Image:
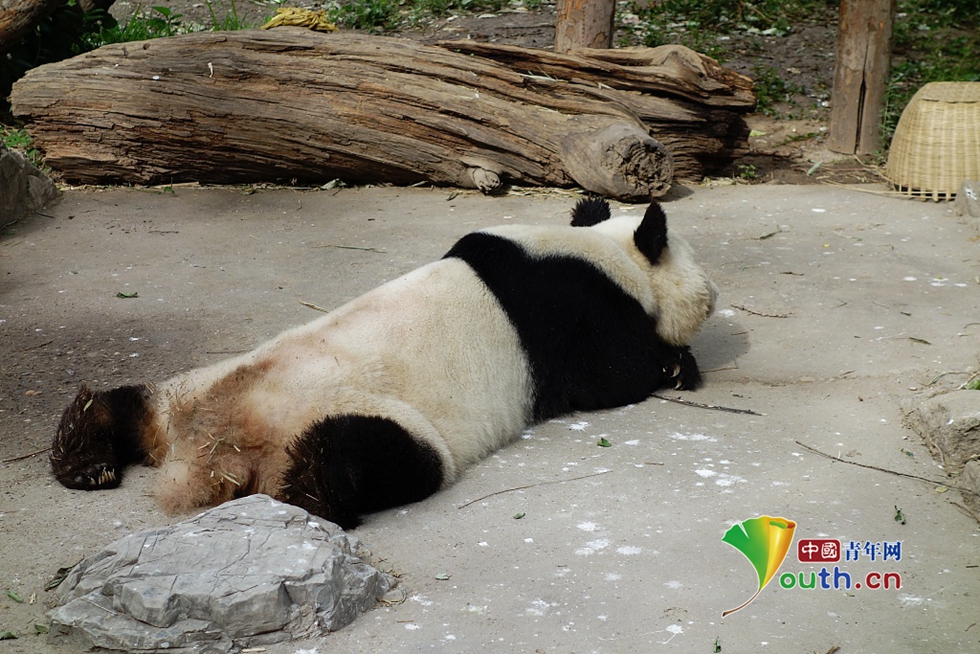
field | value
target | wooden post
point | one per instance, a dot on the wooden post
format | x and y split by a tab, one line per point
861	75
584	24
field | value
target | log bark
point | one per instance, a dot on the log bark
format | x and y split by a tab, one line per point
18	17
584	24
689	104
861	75
293	105
616	158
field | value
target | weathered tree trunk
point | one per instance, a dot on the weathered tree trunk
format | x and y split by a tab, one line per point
584	24
689	103
290	104
18	17
861	75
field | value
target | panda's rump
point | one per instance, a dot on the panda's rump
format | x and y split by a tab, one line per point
218	442
431	350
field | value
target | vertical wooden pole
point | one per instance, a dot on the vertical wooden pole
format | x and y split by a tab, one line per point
864	42
584	24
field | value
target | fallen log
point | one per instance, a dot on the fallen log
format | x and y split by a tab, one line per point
293	105
688	102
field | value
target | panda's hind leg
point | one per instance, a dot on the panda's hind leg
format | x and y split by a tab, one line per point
347	465
99	434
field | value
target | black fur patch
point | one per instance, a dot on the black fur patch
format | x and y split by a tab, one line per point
589	344
348	465
100	432
590	211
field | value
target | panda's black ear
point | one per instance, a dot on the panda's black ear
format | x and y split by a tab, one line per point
651	236
590	211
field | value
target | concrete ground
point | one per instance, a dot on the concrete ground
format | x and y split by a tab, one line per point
836	306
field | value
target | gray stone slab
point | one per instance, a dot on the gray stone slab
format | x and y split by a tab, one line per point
249	572
967	202
950	425
23	188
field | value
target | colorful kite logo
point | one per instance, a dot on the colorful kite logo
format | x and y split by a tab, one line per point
764	541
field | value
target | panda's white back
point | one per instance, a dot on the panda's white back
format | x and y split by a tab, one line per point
390	397
432	350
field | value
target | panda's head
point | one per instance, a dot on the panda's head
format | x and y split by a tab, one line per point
683	296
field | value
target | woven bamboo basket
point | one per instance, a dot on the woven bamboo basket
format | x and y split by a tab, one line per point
937	141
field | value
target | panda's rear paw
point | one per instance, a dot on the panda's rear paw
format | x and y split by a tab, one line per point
97	476
99	433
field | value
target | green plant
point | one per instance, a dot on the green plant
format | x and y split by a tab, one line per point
154	23
388	14
418	11
796	138
443	7
17	138
163	21
934	40
939	13
230	23
381	15
771	89
698	23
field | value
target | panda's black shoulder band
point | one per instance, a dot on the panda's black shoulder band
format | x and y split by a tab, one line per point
588	343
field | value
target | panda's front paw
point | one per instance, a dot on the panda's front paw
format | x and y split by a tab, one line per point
683	373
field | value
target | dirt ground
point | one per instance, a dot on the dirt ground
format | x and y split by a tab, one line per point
837	306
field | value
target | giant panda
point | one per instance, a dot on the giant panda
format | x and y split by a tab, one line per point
389	398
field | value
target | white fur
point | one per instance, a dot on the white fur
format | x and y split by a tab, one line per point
432	350
675	290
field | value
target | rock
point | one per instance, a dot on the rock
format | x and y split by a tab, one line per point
248	573
967	201
970	480
950	426
23	188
